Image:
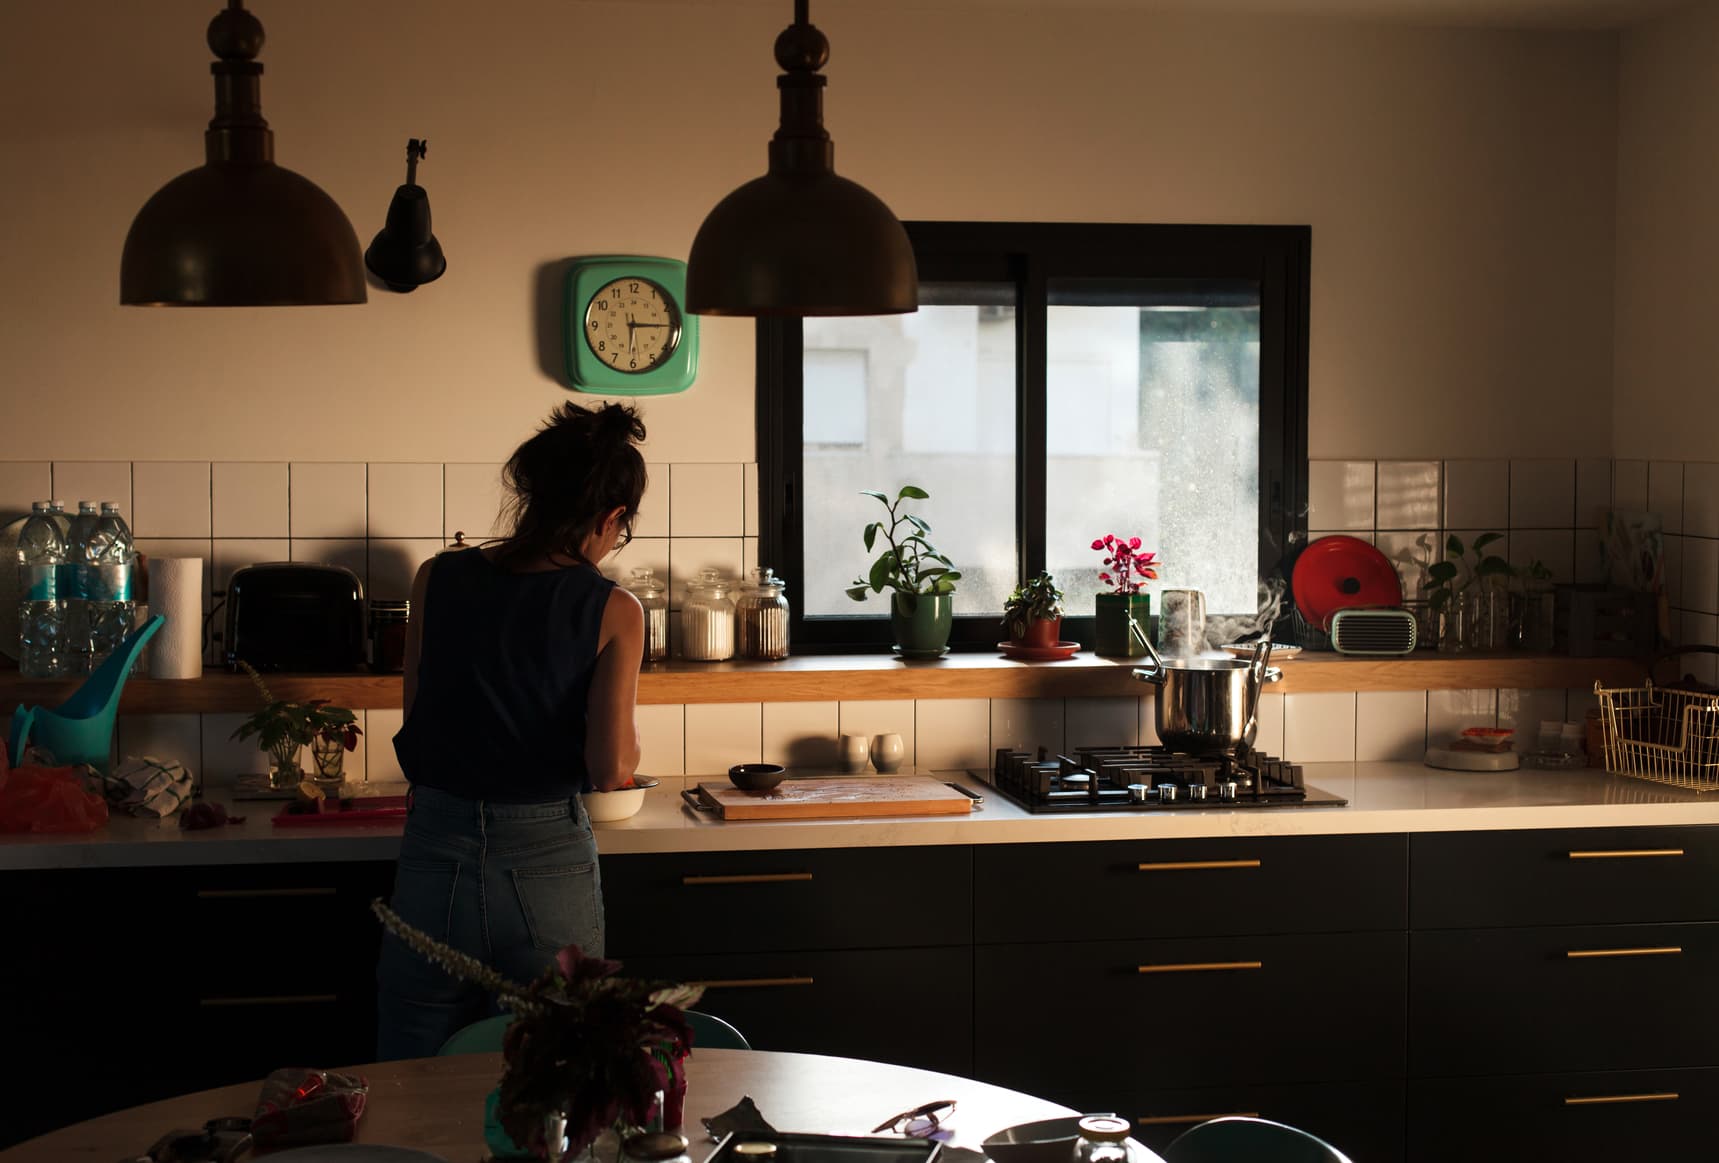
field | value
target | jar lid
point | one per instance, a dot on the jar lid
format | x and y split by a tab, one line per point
756	1150
1104	1128
657	1145
712	582
644	581
764	578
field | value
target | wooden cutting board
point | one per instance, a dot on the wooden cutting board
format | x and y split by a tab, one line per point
803	799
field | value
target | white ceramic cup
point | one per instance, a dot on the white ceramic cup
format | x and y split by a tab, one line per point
887	752
856	753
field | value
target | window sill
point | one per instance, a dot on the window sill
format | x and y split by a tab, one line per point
818	677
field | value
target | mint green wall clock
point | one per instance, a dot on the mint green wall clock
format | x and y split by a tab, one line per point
627	333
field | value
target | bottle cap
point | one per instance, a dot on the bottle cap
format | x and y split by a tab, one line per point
1104	1128
86	506
655	1146
110	507
39	506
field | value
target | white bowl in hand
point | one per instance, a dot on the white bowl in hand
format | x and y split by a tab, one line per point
605	807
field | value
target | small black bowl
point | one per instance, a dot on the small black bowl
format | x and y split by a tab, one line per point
756	776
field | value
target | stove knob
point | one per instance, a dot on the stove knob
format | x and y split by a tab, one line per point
1167	793
1138	793
1196	791
1227	790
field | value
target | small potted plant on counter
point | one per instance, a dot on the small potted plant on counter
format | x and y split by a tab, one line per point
922	605
1120	626
284	729
1033	615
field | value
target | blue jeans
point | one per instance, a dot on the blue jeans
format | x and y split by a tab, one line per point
507	883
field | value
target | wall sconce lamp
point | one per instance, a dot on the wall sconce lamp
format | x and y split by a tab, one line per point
404	254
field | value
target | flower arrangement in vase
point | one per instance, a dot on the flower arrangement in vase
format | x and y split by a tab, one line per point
1121	615
283	729
921	609
587	1049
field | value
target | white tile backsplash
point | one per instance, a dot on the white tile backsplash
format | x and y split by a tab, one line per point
224	758
1700	590
93	480
1408	494
652	519
1525	710
1389	725
1476	494
1450	712
250	500
394	563
802	735
328	500
1319	727
706	500
1673	565
650	553
381	765
689	555
1665	493
474	497
749	499
231	553
1629	485
1269	736
1701	500
1593	492
1027	724
1553	548
22	484
1698	630
1340	494
720	735
1411	551
350	552
405	500
952	734
662	739
1542	494
1109	722
170	499
178	738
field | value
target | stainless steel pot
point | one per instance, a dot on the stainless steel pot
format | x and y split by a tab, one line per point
1204	704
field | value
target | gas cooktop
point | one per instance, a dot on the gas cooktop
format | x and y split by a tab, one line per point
1132	779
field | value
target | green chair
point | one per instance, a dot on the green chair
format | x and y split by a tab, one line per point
1244	1140
484	1037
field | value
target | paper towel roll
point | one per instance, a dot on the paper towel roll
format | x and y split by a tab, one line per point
176	590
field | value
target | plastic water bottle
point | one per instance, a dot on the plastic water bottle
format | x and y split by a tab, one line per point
41	553
111	604
83	556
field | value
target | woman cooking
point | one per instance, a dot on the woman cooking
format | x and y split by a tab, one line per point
522	667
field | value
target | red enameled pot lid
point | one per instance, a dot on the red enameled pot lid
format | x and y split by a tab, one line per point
1341	573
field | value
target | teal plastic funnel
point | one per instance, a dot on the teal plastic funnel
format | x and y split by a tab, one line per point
80	730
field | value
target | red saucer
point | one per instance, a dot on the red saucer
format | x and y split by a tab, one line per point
1055	653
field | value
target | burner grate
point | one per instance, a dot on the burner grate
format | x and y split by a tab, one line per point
1143	778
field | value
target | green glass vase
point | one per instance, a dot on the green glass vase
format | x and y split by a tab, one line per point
1110	634
921	623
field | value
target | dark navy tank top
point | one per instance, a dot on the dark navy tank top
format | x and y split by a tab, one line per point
503	672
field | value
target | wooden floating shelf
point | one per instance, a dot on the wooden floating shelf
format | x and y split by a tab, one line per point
826	677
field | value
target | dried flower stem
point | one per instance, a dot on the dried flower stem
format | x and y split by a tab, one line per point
461	965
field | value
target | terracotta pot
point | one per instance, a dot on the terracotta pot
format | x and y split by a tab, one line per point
1041	633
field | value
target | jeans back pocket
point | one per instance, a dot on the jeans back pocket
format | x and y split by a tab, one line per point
561	906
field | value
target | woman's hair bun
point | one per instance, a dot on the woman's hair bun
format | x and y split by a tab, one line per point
617	423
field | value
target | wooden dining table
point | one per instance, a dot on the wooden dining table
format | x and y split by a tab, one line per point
436	1105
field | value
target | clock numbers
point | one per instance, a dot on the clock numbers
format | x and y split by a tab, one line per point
634	320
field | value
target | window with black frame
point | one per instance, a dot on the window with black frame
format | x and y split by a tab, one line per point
1059	382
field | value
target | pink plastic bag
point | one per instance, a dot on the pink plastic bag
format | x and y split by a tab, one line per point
48	799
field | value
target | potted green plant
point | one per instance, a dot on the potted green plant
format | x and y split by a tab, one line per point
1033	613
921	608
1121	615
283	729
1461	592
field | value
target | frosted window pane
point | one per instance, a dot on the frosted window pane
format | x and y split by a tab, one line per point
1152	430
939	412
835	397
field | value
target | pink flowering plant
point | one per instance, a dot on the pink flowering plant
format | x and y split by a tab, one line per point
1128	568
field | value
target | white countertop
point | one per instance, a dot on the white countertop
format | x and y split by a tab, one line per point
1383	797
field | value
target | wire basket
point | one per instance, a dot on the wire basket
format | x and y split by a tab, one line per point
1669	736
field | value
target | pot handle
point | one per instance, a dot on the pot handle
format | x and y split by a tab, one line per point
1272	674
1153	673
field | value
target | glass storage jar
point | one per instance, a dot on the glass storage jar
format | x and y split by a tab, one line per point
761	612
388	623
707	618
653	597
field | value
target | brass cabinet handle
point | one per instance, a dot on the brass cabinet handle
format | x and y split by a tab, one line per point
1623	853
1178	1120
1607	1099
749	878
1199	966
249	894
751	982
281	999
1643	951
1194	865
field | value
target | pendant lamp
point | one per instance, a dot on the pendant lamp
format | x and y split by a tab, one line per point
800	240
239	230
405	254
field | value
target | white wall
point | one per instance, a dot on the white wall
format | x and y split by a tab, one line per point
1666	406
1460	186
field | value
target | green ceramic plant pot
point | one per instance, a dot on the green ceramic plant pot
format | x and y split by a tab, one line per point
921	623
1110	636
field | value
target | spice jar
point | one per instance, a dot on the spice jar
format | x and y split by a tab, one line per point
761	615
707	618
645	587
388	621
1103	1139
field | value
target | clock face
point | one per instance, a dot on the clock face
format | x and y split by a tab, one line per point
632	325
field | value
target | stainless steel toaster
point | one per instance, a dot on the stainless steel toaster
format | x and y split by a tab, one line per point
295	616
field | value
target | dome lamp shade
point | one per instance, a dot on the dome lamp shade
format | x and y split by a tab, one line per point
405	255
